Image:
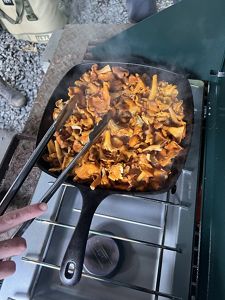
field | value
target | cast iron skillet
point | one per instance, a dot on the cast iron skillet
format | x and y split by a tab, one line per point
72	264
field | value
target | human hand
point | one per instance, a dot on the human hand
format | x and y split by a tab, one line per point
16	245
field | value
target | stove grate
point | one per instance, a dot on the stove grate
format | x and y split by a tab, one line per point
161	246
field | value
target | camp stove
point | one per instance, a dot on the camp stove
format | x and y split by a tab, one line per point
154	239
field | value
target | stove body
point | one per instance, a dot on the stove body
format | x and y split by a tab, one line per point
155	234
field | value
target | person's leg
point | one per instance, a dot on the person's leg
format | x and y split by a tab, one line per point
140	9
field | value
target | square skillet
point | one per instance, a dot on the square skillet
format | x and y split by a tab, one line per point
72	264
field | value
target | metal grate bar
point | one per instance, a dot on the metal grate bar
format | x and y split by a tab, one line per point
183	206
159	271
155	245
112	282
122	220
166	203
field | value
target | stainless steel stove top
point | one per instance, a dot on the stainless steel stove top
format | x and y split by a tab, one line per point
155	234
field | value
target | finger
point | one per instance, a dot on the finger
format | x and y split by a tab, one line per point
18	216
7	268
12	247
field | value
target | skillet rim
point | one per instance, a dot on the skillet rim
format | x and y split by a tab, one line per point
172	179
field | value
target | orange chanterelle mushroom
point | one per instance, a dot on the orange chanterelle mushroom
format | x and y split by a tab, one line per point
138	147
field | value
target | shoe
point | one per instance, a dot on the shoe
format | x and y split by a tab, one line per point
138	10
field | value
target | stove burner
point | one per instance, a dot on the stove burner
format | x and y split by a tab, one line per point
102	256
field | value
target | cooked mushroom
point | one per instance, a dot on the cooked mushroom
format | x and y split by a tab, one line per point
116	172
141	141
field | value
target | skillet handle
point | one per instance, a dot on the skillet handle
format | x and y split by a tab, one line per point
72	264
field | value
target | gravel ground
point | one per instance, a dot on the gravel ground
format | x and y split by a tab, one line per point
98	11
20	61
103	11
20	67
162	4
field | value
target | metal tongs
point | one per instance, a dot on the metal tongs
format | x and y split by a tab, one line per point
57	125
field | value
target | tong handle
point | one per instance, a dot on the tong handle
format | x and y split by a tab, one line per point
98	129
25	170
57	124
